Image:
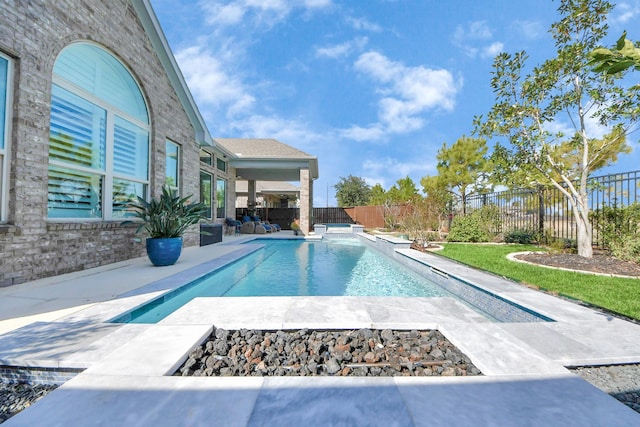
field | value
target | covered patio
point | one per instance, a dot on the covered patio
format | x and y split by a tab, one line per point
270	160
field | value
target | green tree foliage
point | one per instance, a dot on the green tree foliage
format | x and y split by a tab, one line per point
616	60
529	105
352	191
403	191
619	228
461	169
378	195
439	198
479	226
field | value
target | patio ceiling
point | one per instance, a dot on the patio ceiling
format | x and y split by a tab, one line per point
267	159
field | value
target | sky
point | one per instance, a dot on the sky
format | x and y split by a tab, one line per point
373	88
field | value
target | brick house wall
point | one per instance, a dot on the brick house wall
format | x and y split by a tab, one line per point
33	33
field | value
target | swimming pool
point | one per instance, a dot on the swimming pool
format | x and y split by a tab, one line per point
337	266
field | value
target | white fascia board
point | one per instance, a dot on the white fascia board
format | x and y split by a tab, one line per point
154	31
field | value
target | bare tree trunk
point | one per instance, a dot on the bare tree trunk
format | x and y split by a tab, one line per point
584	232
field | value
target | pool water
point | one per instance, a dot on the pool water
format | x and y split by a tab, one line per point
333	267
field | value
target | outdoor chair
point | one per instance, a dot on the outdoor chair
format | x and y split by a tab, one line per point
232	226
267	227
248	227
275	227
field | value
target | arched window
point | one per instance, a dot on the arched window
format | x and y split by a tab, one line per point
99	138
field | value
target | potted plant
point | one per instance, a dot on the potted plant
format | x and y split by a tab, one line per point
165	220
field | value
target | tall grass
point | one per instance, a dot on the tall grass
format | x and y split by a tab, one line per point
614	294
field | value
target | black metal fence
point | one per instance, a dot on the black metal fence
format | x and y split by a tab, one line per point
547	211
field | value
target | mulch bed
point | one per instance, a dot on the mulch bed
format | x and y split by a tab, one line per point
599	263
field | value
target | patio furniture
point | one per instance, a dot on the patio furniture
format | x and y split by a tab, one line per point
210	233
267	227
232	226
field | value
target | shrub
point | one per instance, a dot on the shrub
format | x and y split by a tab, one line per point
468	228
524	237
479	226
619	228
563	245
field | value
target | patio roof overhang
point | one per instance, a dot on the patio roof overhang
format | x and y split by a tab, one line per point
258	159
274	169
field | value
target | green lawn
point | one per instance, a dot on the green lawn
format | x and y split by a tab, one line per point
614	294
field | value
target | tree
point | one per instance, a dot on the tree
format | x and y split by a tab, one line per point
461	168
403	191
612	61
529	106
418	220
439	199
378	195
352	191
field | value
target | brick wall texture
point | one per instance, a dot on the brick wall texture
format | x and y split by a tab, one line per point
33	33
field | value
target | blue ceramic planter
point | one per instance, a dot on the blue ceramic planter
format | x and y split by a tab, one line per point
164	251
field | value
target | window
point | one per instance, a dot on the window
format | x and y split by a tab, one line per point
221	164
205	191
172	177
99	136
205	157
221	190
5	127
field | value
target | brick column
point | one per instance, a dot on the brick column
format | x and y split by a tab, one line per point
306	201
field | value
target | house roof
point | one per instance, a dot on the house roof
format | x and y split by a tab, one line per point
267	159
261	148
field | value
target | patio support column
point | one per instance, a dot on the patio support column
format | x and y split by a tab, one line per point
231	198
251	194
306	200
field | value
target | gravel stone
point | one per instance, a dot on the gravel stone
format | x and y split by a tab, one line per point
363	352
619	381
19	396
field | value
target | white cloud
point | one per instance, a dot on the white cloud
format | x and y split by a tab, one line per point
386	171
363	24
389	166
408	92
529	29
371	181
477	30
259	13
373	133
225	14
317	4
343	49
492	50
473	39
211	83
289	131
624	12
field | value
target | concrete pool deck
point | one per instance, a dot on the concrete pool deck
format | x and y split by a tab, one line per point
61	322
